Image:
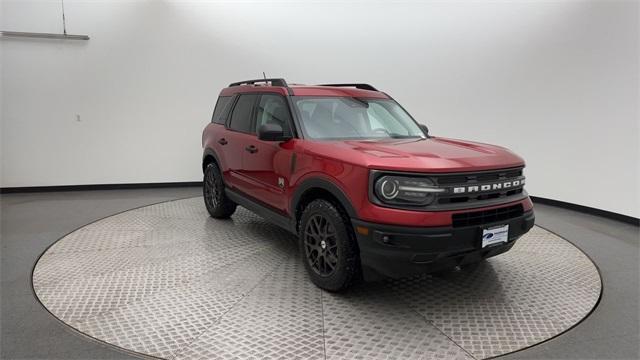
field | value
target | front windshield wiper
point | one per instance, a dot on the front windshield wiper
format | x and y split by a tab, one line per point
400	136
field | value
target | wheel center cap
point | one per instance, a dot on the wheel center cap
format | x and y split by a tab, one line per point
323	244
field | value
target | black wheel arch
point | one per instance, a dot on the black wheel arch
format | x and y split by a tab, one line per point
315	188
209	156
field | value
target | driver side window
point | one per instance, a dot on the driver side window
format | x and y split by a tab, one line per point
273	109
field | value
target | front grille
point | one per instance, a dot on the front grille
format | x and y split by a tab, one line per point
479	197
450	198
487	216
479	177
458	190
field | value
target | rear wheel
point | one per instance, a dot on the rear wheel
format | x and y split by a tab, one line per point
215	199
328	247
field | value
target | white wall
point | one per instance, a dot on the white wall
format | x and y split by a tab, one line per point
556	82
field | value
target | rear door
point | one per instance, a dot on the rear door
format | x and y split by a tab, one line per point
213	136
266	165
238	134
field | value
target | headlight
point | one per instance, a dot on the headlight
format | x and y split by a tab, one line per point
388	188
402	190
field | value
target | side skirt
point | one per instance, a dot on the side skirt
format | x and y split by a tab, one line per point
263	211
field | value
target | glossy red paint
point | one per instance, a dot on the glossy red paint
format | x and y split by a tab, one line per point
253	89
433	155
299	90
346	164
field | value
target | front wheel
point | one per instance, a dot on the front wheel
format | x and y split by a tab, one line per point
215	199
328	246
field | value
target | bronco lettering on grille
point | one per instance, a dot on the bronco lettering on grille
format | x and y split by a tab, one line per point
488	187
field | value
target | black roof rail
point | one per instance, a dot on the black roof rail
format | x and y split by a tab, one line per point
273	81
356	85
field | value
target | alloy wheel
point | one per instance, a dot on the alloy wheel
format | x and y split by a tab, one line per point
321	245
210	189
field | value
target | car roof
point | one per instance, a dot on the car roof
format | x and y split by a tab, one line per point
305	90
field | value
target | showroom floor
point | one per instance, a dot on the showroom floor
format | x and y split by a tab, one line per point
32	222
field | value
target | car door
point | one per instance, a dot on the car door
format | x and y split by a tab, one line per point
239	129
266	164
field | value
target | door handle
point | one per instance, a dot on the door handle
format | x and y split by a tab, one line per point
223	141
252	149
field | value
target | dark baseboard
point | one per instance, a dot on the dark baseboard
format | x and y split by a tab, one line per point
28	189
589	210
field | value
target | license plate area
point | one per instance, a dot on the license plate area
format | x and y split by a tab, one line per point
495	235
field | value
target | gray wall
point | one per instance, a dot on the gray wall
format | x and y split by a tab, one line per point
556	82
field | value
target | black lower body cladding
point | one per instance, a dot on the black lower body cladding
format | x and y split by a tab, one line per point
397	251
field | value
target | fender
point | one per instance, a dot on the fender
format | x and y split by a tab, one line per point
324	184
210	152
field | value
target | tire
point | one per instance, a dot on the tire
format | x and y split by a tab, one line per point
328	246
215	199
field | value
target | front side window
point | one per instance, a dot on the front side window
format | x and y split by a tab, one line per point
352	118
273	109
241	117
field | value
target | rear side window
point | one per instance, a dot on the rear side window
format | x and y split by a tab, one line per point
220	110
241	117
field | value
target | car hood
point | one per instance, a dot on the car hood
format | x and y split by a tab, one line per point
434	154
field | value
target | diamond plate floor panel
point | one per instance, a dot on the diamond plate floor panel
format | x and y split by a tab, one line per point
371	323
281	318
168	281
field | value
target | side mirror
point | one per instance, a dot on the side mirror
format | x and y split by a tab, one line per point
272	132
424	129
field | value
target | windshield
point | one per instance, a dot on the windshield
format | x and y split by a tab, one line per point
353	118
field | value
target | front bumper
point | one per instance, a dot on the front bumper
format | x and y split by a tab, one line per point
396	251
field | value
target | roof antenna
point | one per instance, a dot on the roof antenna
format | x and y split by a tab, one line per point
64	21
265	77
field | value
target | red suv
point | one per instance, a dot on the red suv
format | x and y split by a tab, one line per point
366	189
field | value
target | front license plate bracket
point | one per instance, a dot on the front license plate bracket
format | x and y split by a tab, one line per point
495	235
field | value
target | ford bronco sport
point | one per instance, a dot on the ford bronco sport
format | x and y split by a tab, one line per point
367	190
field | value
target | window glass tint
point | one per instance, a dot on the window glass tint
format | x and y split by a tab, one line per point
350	118
273	109
219	111
241	117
